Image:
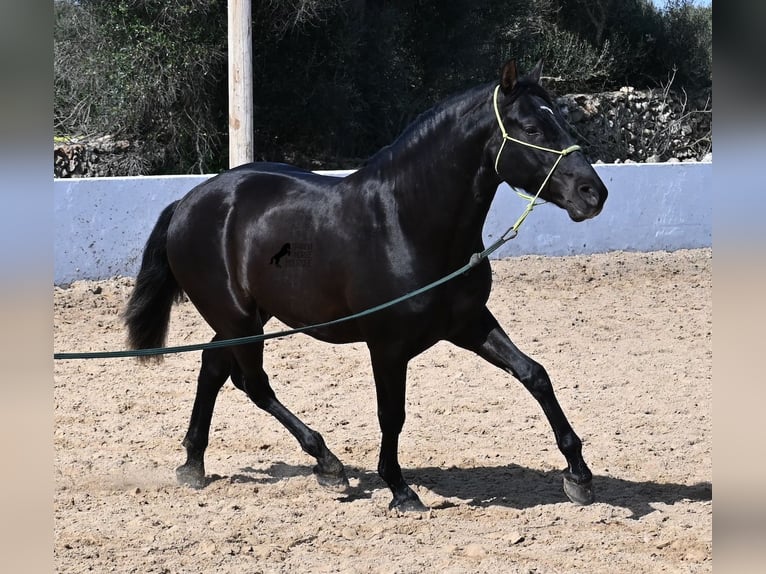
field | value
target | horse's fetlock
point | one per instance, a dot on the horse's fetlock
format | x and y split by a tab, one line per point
390	473
570	443
315	442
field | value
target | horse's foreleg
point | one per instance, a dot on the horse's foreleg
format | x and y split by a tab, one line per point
215	369
487	339
390	382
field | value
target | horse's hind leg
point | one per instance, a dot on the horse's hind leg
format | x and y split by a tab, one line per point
390	384
486	338
215	369
255	382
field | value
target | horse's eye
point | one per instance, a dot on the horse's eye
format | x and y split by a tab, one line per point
531	130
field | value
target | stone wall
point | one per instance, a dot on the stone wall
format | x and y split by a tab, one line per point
641	125
98	157
613	127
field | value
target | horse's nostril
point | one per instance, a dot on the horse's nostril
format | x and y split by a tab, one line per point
589	194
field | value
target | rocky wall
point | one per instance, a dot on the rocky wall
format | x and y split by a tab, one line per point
99	157
641	125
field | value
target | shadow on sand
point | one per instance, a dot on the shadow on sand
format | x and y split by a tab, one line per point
511	486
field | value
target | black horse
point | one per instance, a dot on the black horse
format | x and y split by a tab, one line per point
412	214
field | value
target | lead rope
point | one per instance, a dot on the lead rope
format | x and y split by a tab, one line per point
475	259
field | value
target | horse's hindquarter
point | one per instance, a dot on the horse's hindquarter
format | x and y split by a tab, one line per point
244	240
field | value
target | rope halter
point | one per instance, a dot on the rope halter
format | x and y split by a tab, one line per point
529	198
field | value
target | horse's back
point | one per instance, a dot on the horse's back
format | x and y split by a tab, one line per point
249	190
265	178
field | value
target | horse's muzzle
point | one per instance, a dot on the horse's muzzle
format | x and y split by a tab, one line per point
588	201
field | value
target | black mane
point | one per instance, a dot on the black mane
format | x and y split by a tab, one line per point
431	120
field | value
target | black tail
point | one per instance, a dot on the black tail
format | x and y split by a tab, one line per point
147	313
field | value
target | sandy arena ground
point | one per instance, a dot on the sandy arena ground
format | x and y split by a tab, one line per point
626	338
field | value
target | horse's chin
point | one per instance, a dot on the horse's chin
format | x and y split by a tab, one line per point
577	215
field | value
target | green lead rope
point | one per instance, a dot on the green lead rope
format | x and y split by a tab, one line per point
475	260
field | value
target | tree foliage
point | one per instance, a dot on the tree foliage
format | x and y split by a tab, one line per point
149	70
337	79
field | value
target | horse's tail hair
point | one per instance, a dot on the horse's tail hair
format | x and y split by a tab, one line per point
147	312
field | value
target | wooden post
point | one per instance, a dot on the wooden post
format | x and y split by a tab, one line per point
240	55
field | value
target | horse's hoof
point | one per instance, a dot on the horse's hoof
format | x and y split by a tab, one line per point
579	493
191	476
408	504
334	482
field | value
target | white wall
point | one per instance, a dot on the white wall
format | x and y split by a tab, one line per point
101	224
650	207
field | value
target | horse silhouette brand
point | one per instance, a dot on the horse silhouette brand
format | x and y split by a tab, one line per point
285	250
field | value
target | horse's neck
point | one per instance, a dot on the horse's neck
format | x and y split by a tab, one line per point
440	173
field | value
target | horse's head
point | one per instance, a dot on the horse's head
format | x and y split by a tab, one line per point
536	153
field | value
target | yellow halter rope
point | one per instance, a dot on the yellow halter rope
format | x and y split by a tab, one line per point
531	199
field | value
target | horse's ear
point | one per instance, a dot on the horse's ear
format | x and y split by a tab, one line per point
537	71
508	76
